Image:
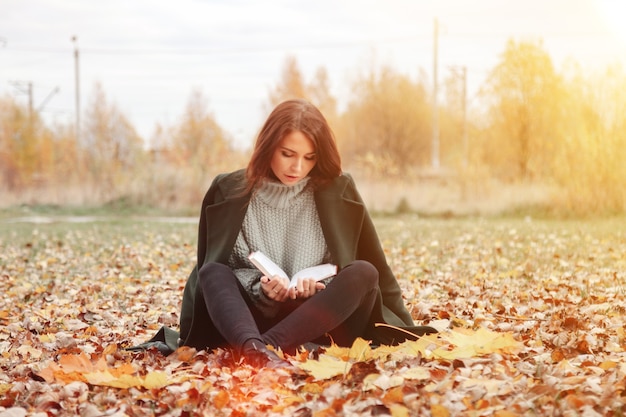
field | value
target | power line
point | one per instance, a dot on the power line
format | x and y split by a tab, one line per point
205	51
310	46
74	39
47	99
25	87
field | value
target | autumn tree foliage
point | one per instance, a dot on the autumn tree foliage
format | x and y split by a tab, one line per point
14	143
292	84
187	155
523	94
589	166
550	127
112	148
387	124
530	123
197	140
33	155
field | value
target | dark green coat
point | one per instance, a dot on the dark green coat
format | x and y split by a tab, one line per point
347	227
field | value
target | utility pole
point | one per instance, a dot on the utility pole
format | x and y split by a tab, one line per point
435	142
77	83
26	87
464	109
460	75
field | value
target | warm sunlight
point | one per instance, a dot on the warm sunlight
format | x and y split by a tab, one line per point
614	14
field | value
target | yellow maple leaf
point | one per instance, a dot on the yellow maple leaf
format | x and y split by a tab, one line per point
468	343
155	379
325	367
152	380
103	378
424	346
359	351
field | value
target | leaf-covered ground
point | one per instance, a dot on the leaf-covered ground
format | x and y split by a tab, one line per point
531	312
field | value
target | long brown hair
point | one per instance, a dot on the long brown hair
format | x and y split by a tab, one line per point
287	117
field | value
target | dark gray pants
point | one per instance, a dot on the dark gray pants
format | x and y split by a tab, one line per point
339	313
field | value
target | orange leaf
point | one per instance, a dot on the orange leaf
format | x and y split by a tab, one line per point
110	349
221	399
124	369
481	404
327	412
504	413
606	365
394	395
574	401
184	354
76	363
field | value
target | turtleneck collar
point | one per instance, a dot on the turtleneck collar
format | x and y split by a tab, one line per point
279	195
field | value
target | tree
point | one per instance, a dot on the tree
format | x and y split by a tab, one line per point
23	161
387	122
522	93
35	157
11	125
198	141
320	95
112	146
453	120
589	166
292	84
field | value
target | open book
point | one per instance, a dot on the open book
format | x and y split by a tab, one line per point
269	269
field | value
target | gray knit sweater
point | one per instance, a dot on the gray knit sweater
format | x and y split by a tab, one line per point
282	222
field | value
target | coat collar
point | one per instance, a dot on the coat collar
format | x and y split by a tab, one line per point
339	209
232	186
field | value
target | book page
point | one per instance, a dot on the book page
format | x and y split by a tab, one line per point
269	269
318	273
266	265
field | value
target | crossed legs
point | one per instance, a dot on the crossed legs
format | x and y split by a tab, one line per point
341	310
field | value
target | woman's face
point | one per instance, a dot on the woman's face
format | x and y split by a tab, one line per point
294	158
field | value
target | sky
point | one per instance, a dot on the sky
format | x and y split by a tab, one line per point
150	55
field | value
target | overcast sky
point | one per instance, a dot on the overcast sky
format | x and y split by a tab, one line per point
149	55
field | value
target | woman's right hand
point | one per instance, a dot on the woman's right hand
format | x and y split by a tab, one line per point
275	288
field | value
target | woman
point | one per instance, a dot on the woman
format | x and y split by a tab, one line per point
295	205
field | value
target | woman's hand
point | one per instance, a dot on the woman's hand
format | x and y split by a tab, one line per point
275	288
307	287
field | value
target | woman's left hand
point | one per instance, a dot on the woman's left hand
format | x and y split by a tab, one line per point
306	287
275	288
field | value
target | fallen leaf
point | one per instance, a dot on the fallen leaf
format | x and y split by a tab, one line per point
325	367
468	343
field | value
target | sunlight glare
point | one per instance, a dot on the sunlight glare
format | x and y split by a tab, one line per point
614	14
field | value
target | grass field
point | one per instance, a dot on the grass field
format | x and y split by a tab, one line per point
86	289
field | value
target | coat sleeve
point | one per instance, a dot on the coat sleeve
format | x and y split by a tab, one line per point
188	303
209	198
369	248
